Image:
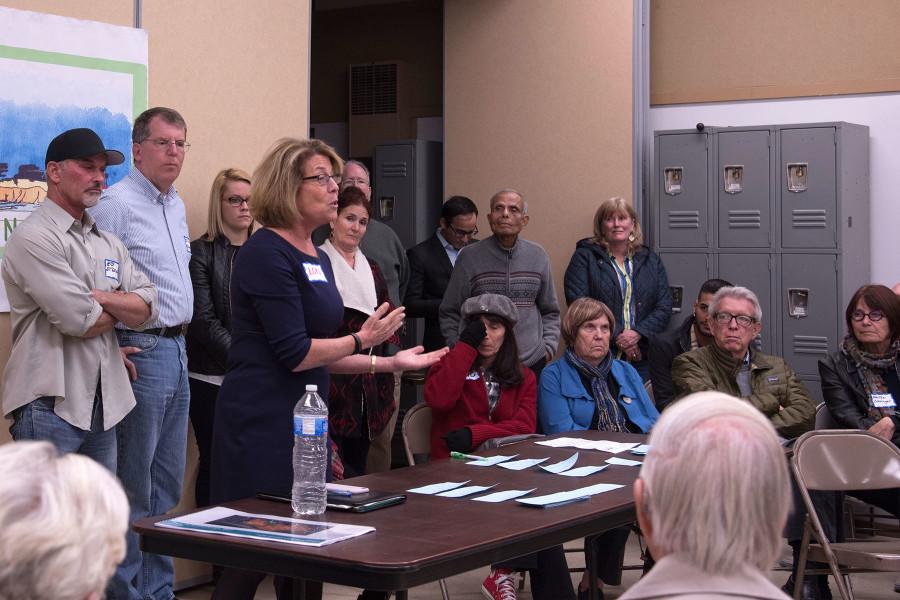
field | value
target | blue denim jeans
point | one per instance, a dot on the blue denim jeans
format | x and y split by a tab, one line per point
37	421
151	441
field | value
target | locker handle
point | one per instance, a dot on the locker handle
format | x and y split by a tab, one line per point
797	177
733	179
674	177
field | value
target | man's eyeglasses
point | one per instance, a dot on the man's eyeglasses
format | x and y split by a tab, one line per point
322	178
463	233
180	145
724	318
355	182
874	316
237	200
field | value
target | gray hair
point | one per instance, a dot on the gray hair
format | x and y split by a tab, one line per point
361	166
510	191
62	523
716	485
738	293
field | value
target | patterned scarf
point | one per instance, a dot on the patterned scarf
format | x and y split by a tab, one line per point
871	369
611	419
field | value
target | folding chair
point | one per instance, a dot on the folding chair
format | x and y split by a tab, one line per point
843	460
416	432
648	385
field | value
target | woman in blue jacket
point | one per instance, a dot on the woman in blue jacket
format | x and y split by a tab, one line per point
588	389
615	268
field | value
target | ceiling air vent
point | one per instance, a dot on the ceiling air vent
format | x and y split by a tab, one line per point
373	89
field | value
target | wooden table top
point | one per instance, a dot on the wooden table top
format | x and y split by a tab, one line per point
427	537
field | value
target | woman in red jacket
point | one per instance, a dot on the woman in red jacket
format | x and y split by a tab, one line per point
478	391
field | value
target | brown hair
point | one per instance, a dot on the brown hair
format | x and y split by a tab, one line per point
141	129
277	179
353	196
878	297
580	312
617	206
507	367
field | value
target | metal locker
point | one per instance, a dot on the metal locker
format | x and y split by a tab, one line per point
807	190
809	310
407	188
743	189
755	272
682	174
686	272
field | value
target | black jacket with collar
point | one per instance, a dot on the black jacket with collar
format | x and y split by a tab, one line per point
664	347
429	274
844	395
209	335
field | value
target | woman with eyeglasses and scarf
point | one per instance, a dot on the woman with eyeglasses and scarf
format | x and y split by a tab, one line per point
861	381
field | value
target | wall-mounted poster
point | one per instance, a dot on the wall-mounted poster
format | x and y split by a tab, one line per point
57	74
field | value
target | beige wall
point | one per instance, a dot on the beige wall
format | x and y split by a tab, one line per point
238	72
539	99
717	50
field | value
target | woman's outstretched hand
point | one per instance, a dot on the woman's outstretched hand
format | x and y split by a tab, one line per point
413	359
381	325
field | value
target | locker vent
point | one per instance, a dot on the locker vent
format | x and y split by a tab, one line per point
373	89
811	344
744	219
394	169
809	218
684	219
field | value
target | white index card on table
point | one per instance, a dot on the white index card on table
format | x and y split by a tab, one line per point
436	488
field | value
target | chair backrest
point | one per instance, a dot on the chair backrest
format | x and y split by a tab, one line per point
648	385
824	420
846	459
416	432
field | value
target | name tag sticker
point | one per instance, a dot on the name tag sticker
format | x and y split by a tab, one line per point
473	376
314	272
772	379
884	400
111	269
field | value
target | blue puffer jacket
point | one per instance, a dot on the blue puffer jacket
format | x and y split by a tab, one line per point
591	273
565	405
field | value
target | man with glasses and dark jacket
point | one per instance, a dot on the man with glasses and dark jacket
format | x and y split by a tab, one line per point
431	264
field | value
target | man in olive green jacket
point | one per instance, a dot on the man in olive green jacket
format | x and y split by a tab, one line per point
732	366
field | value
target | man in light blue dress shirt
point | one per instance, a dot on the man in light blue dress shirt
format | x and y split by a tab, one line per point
146	213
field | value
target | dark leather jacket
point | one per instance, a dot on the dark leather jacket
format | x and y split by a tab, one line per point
664	347
844	395
209	335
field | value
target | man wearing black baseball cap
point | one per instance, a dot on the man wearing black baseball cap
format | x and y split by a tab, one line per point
68	284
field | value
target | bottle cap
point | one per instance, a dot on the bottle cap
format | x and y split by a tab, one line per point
312	388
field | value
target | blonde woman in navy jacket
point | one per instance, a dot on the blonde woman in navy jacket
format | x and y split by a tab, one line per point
588	389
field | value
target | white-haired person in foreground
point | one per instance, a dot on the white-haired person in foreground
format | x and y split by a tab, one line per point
712	498
62	524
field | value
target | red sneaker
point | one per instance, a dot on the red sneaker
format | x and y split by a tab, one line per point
499	585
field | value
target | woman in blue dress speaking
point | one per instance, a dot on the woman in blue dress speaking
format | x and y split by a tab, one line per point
285	308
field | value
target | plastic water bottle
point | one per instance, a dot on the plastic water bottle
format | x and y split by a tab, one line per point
310	453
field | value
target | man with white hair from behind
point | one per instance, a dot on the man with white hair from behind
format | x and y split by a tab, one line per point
62	524
712	498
